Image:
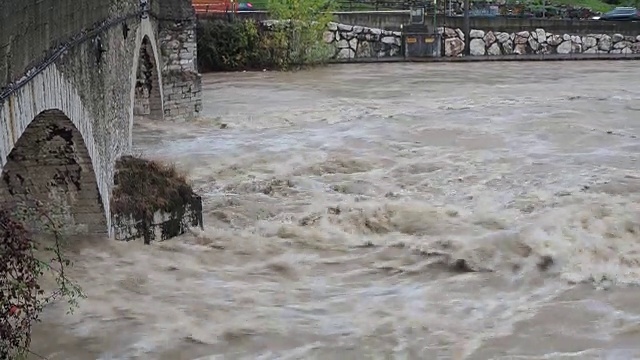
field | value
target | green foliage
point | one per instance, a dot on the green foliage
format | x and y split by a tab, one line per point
23	262
555	5
298	30
231	45
595	5
259	5
292	39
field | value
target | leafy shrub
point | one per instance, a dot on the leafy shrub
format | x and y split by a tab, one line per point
232	45
292	39
21	297
299	27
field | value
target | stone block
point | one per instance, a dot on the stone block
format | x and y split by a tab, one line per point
162	226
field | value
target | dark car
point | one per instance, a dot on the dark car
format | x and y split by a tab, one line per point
245	6
622	14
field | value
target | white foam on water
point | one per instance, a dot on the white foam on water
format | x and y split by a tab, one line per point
354	217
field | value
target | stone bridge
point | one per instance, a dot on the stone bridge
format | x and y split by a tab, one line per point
73	74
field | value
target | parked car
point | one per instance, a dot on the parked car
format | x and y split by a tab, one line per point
245	6
620	14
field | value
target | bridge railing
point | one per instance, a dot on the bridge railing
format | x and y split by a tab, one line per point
479	8
378	5
222	6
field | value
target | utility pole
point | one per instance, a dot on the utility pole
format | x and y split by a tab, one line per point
466	29
435	12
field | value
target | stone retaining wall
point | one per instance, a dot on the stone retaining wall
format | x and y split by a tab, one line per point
362	42
537	41
359	42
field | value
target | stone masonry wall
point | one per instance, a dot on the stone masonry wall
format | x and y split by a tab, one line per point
29	28
91	84
152	201
181	80
357	42
536	41
51	164
163	226
353	42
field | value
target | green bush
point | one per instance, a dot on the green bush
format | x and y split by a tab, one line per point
293	40
299	30
232	45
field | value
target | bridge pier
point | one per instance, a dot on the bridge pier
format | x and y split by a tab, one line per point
181	80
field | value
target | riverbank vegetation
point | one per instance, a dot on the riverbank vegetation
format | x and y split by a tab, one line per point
26	259
293	39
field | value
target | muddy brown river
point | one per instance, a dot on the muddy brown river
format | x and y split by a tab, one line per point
387	211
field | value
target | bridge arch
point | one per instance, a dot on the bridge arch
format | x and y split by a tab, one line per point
147	95
80	88
47	141
50	163
148	91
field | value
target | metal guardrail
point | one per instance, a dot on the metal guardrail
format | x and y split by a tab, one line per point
221	6
481	8
383	4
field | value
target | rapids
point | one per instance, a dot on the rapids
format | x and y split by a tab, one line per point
388	211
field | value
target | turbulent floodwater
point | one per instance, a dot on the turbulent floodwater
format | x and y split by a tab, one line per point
397	211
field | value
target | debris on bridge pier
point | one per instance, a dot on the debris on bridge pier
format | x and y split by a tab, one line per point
152	201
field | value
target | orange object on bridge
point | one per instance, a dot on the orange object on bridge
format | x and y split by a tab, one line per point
214	6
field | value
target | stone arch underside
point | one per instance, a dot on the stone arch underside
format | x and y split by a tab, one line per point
148	87
47	91
50	163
